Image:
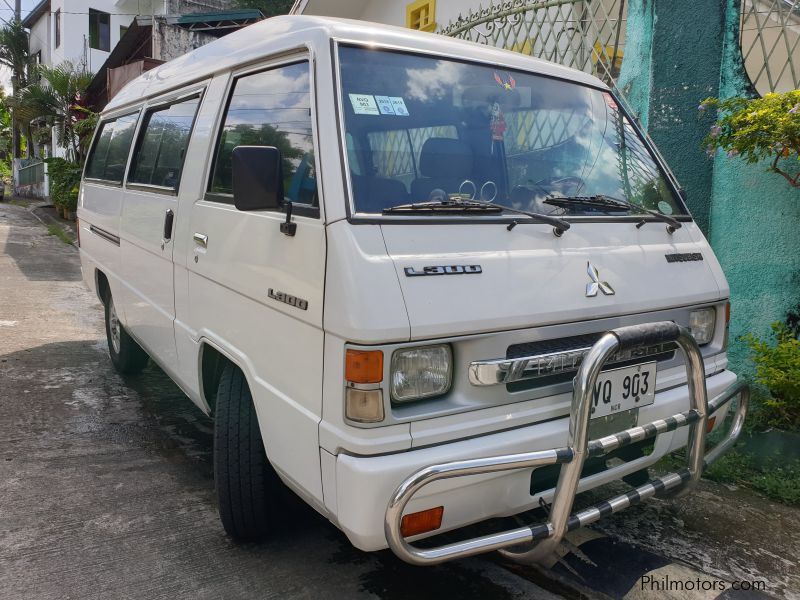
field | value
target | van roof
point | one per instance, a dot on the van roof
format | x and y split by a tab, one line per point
279	33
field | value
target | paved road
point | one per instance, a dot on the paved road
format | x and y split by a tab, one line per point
106	485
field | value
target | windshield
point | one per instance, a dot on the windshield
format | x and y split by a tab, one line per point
420	128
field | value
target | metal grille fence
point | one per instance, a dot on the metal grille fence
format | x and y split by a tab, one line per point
769	35
583	34
31	174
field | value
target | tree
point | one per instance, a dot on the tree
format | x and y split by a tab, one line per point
57	99
758	129
14	55
269	8
6	138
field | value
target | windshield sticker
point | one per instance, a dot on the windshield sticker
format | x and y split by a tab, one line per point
665	207
385	105
364	104
399	106
507	84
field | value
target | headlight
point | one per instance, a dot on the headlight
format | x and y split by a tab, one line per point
422	372
701	324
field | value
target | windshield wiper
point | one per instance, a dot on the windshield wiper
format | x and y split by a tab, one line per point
446	206
451	206
611	203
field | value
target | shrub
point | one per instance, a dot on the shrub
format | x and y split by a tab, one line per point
778	369
759	128
65	181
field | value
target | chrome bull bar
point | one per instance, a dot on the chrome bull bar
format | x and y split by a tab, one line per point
547	536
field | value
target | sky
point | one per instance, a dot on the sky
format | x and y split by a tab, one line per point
6	13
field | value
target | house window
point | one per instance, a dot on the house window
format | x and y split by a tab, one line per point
421	15
57	18
99	30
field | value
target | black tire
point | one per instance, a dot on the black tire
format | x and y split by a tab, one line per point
127	356
248	489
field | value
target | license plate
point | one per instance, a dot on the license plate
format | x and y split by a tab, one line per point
622	389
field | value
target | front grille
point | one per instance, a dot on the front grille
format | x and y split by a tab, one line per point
567	344
557	345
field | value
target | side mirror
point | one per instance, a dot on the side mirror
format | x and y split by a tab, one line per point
257	178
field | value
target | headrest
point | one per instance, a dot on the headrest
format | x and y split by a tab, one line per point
445	157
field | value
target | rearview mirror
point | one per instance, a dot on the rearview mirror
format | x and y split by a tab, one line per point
257	178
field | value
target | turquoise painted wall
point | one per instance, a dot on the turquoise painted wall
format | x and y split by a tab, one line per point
635	77
677	53
687	43
755	222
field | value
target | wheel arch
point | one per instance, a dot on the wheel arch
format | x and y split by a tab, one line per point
101	285
213	359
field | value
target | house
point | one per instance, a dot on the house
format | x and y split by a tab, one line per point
88	33
152	40
80	31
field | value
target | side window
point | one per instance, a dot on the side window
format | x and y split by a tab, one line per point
158	159
109	154
271	108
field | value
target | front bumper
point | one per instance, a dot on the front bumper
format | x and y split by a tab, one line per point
364	485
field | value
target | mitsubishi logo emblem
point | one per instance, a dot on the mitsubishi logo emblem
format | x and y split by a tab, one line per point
591	288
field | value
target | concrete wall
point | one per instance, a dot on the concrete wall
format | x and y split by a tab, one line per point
678	53
687	51
170	41
755	221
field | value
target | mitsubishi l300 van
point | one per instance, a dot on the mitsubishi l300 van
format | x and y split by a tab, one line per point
421	282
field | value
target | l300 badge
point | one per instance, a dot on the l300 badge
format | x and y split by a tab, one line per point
288	299
444	270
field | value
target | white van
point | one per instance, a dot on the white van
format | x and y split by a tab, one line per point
422	282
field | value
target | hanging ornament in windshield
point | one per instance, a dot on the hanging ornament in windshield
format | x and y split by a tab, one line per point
497	124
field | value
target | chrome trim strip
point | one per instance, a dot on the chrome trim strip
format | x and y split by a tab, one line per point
507	370
106	235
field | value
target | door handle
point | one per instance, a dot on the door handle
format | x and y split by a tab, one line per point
169	219
201	239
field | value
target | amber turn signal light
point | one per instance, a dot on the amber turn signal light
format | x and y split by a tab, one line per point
364	366
710	424
422	522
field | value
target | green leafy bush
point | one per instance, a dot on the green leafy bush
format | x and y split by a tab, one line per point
759	128
778	369
777	479
65	181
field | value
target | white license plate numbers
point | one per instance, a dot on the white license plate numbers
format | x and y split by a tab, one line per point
622	389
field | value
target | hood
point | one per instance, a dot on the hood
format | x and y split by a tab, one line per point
495	279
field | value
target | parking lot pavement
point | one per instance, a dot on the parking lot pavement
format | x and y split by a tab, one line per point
106	487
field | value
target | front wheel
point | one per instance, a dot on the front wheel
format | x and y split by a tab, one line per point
248	489
127	356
